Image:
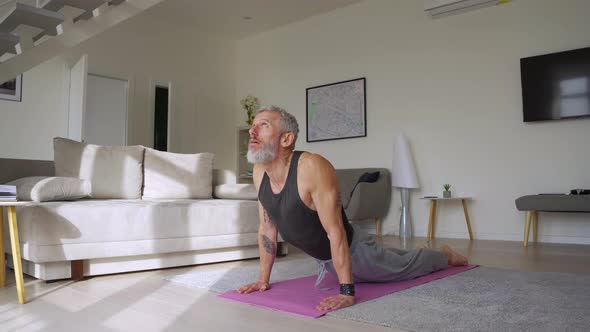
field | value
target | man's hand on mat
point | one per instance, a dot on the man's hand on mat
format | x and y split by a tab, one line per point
255	286
336	302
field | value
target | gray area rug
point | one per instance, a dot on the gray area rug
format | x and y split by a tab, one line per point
482	299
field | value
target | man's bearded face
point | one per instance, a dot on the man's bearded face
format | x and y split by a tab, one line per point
262	152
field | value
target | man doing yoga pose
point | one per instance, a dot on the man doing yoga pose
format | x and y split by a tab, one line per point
298	197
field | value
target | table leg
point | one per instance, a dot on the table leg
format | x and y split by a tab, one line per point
16	260
467	218
430	220
535	224
433	225
434	220
378	226
2	255
527	226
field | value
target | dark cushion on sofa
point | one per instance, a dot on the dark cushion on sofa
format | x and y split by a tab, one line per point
366	177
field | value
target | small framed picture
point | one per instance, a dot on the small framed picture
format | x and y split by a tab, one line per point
336	110
12	89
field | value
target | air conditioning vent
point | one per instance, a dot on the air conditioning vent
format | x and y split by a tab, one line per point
439	8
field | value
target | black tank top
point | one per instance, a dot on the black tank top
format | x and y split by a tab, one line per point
298	224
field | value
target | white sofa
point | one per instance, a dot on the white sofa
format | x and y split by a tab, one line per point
85	237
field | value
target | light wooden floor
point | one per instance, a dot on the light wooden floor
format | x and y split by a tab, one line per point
143	301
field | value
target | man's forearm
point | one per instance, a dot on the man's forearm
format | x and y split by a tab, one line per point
341	258
267	247
267	244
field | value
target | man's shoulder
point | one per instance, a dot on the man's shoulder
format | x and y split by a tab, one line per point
313	163
315	172
311	159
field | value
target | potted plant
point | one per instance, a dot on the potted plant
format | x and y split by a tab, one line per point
250	104
447	192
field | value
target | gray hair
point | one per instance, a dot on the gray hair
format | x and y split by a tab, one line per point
288	121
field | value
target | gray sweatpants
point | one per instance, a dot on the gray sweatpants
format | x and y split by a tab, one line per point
373	263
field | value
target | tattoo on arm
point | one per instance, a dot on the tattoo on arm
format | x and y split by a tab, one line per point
269	246
267	218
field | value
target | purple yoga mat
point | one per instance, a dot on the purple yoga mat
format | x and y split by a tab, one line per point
300	297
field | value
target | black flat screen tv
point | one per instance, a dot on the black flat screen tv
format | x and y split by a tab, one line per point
556	86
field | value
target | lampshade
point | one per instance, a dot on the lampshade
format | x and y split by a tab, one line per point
403	170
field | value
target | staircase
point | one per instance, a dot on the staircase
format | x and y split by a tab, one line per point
33	31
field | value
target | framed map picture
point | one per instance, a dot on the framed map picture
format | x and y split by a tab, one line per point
337	110
11	90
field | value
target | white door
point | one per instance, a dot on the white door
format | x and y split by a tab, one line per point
77	102
105	122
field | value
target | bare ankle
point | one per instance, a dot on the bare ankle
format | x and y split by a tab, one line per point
454	258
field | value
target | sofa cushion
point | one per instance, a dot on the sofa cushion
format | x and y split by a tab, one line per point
236	191
92	221
175	175
45	188
113	171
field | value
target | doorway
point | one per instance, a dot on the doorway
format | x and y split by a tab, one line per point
105	120
161	118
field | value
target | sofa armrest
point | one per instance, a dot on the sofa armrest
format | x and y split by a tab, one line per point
370	200
12	169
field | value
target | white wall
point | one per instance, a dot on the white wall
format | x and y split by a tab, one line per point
143	50
27	127
452	85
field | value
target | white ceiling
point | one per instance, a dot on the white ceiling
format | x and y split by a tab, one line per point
227	16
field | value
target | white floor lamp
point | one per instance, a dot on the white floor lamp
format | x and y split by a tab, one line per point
404	177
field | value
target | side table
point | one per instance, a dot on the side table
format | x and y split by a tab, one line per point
432	221
16	258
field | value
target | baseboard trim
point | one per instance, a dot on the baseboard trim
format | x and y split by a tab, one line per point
101	266
510	237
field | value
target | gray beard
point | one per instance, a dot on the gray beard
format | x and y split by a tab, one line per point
264	155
